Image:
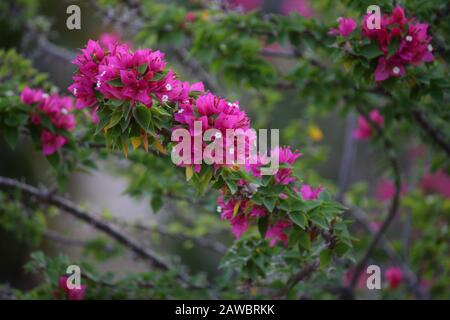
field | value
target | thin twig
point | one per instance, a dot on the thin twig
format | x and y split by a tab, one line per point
301	275
393	208
69	207
432	132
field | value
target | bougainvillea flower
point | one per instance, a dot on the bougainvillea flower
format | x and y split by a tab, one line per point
364	129
394	276
30	96
51	142
277	232
71	294
233	210
309	193
438	182
345	28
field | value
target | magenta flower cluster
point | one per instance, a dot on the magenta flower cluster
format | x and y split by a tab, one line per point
111	70
414	42
117	72
240	219
57	109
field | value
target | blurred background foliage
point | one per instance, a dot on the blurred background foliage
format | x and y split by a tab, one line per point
277	59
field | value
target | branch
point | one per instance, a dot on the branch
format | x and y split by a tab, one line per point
410	277
432	132
393	208
53	199
298	277
217	247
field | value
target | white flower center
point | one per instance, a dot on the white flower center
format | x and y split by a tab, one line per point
396	70
168	87
218	135
75	90
181	111
409	38
219	209
165	98
430	47
64	111
99	84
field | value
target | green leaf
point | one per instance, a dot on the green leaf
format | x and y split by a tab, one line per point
318	219
371	51
394	45
45	121
54	159
142	116
159	76
156	203
115	83
231	185
304	241
189	173
142	68
269	203
11	136
325	258
115	119
101	124
263	224
299	218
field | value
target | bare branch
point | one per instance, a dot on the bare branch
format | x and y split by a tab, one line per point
301	275
69	207
393	208
432	132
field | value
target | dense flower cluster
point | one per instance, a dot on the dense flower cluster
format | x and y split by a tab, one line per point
240	211
117	72
214	113
409	39
56	109
109	70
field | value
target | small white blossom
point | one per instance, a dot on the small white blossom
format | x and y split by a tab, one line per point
219	209
396	70
430	47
